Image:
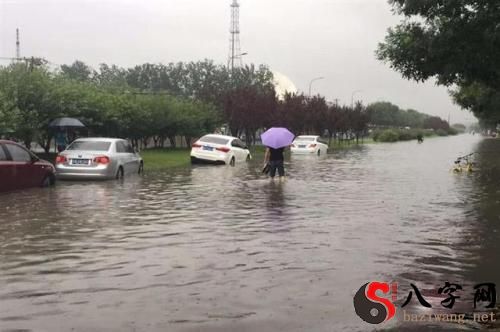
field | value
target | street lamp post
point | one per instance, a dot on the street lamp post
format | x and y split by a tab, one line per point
310	83
352	97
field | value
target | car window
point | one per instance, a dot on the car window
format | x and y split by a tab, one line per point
237	143
17	153
214	139
120	147
129	148
243	145
305	139
89	146
3	156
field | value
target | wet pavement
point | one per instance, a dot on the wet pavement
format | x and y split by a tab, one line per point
225	249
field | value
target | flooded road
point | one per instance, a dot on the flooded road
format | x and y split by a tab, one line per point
225	249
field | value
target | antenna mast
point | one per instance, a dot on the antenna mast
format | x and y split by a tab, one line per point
18	45
234	46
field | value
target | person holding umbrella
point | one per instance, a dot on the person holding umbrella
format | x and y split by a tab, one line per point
275	159
275	139
62	127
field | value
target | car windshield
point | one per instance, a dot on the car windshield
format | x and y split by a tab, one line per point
89	146
305	139
214	139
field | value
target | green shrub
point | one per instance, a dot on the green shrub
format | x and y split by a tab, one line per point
375	134
389	135
441	132
407	135
428	132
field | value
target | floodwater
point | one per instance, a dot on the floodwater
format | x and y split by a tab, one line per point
225	249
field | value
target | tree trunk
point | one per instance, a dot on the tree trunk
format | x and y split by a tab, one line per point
247	137
172	141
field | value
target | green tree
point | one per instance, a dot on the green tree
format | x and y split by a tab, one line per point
78	71
457	42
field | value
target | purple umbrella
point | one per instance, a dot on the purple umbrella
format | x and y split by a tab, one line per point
277	137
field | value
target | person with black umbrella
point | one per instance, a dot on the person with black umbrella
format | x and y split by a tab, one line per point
62	125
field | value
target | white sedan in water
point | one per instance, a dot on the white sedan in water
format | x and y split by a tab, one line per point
309	145
219	149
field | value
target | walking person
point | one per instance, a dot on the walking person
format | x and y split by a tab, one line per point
275	159
276	139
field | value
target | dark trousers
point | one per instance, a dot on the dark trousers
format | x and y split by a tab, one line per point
276	165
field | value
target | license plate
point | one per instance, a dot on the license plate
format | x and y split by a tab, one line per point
208	148
302	146
80	161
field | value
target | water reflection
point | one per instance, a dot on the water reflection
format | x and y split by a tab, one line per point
225	248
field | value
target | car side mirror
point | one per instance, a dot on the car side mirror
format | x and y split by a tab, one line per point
34	159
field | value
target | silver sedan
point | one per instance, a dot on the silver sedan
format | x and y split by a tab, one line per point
98	158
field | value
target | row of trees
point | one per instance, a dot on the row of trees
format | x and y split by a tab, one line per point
385	114
150	104
154	103
31	97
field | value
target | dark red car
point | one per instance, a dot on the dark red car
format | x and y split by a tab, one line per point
20	168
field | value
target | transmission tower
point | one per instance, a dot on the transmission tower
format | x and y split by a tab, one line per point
234	43
18	45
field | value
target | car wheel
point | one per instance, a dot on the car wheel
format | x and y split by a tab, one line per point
119	173
249	157
232	162
319	152
141	168
48	181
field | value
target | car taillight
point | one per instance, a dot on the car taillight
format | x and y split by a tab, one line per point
61	159
102	160
312	145
223	149
196	145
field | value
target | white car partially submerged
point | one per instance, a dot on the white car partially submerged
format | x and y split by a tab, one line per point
306	144
219	149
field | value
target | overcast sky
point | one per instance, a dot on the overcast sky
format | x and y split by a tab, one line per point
302	39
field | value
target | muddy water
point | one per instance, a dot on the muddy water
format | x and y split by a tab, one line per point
224	249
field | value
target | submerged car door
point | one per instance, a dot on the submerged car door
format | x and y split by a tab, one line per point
7	179
133	157
238	149
26	173
122	156
243	148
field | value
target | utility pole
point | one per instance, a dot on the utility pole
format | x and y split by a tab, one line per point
235	56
